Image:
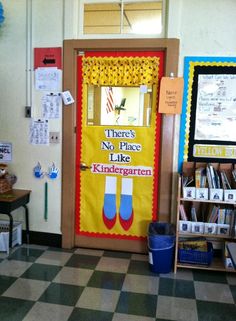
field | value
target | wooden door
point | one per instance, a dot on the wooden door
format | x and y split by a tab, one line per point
170	48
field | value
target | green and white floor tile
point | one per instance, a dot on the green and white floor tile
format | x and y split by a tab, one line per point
43	284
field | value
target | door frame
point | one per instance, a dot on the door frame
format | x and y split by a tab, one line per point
71	48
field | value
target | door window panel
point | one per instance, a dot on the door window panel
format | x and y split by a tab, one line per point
124	17
119	106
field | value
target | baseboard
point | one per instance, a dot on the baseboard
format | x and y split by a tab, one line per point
41	238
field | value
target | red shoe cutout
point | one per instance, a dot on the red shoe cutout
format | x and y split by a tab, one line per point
108	222
126	223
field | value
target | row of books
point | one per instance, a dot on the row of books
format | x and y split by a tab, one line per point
216	215
220	215
183	215
209	177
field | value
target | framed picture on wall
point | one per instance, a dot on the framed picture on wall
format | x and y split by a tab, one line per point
208	122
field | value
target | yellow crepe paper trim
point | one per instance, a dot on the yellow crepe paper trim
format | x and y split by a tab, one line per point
120	71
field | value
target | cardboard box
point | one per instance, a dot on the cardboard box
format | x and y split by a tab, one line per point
202	193
230	195
216	194
185	226
197	227
4	235
189	192
223	229
210	228
228	263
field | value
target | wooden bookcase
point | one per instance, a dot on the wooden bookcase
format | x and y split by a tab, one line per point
202	206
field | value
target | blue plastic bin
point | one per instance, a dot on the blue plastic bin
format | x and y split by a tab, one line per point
196	257
161	243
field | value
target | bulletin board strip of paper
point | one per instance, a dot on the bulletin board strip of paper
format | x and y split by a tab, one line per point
193	67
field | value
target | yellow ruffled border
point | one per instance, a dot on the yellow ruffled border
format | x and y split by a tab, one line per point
120	71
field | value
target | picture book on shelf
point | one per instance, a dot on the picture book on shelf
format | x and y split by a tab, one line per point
213	178
228	214
224	180
193	214
221	216
232	223
213	215
182	212
234	175
200	177
187	181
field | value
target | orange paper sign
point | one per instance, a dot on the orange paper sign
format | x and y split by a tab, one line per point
171	94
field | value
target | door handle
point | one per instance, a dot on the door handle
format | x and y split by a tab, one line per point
84	167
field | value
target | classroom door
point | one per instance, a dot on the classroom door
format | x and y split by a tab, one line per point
118	144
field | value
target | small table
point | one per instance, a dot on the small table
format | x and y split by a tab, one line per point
10	201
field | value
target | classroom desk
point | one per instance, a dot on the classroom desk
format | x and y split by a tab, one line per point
232	252
10	201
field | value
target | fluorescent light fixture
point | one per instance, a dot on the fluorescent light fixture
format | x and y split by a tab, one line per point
151	26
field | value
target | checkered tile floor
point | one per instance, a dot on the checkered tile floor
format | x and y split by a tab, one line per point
42	284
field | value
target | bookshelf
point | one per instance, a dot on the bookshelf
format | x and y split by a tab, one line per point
203	208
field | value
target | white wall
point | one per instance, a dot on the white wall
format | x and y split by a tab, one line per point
47	31
204	28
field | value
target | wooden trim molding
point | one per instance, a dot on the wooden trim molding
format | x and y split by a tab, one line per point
70	52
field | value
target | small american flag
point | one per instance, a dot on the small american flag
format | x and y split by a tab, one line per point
110	101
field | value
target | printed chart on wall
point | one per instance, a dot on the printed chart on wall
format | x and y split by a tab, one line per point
118	133
208	121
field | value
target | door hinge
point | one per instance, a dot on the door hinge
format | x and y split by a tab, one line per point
75	129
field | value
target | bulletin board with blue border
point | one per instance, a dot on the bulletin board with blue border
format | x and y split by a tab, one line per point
208	120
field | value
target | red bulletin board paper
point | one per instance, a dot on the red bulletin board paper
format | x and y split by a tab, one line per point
47	57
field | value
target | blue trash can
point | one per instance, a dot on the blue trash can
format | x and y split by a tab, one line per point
161	244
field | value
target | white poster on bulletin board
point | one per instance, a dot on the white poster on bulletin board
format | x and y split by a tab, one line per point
216	107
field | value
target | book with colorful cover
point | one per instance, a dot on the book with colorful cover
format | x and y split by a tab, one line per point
221	216
200	177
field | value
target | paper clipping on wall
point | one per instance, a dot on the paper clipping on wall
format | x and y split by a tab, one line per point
48	79
216	107
39	132
51	106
